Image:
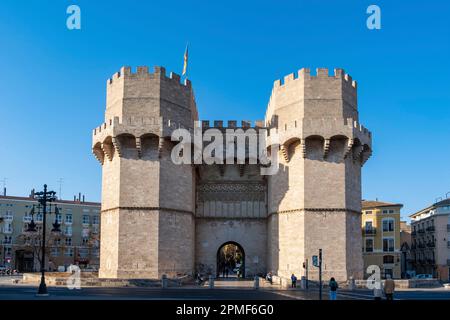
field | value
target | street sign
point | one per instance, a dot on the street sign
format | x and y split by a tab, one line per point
315	260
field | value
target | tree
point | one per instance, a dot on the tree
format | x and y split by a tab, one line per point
32	241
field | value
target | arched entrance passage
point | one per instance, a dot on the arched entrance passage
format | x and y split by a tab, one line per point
230	260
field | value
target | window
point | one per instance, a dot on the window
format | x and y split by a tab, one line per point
8	228
369	212
39	217
55	252
85	241
68	230
391	211
8	215
95	253
68	252
388	259
68	241
385	211
85	233
369	245
388	271
27	217
59	218
368	225
57	242
68	218
86	219
388	225
95	220
83	252
7	240
388	244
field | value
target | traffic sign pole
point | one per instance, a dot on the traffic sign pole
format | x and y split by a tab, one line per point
320	274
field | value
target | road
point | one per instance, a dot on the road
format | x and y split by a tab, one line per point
23	292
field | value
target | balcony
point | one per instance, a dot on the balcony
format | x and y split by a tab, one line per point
414	233
421	231
7	230
369	232
431	229
8	218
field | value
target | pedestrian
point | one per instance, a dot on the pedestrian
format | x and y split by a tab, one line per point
389	287
294	281
269	277
333	288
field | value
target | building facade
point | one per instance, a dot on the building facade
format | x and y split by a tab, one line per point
407	267
381	237
430	249
77	243
159	217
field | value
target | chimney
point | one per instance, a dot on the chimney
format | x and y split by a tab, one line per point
79	196
83	197
74	198
4	191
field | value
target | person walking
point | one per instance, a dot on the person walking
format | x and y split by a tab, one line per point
294	281
333	288
389	287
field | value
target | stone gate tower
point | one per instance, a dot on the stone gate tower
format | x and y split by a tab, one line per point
315	198
161	218
147	201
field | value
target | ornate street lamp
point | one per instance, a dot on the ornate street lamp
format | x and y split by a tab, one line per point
43	198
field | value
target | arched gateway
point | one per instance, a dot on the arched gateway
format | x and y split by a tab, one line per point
230	260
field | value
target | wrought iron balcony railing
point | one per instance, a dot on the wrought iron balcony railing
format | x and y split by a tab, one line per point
371	231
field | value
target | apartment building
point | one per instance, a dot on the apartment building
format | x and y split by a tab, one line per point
381	237
76	243
430	248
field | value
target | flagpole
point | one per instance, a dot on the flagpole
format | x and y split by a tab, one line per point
186	58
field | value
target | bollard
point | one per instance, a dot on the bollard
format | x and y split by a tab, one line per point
303	283
164	281
351	283
256	285
211	282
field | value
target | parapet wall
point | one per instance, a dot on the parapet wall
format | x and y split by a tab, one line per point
303	95
142	72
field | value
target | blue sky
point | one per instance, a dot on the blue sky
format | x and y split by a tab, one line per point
53	79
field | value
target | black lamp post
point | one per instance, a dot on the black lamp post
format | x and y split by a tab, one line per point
43	198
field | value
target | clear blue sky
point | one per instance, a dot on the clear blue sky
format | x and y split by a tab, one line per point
53	79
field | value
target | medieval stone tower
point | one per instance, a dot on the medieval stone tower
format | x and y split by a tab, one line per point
164	218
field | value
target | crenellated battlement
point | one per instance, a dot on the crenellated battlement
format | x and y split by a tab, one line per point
321	73
143	72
